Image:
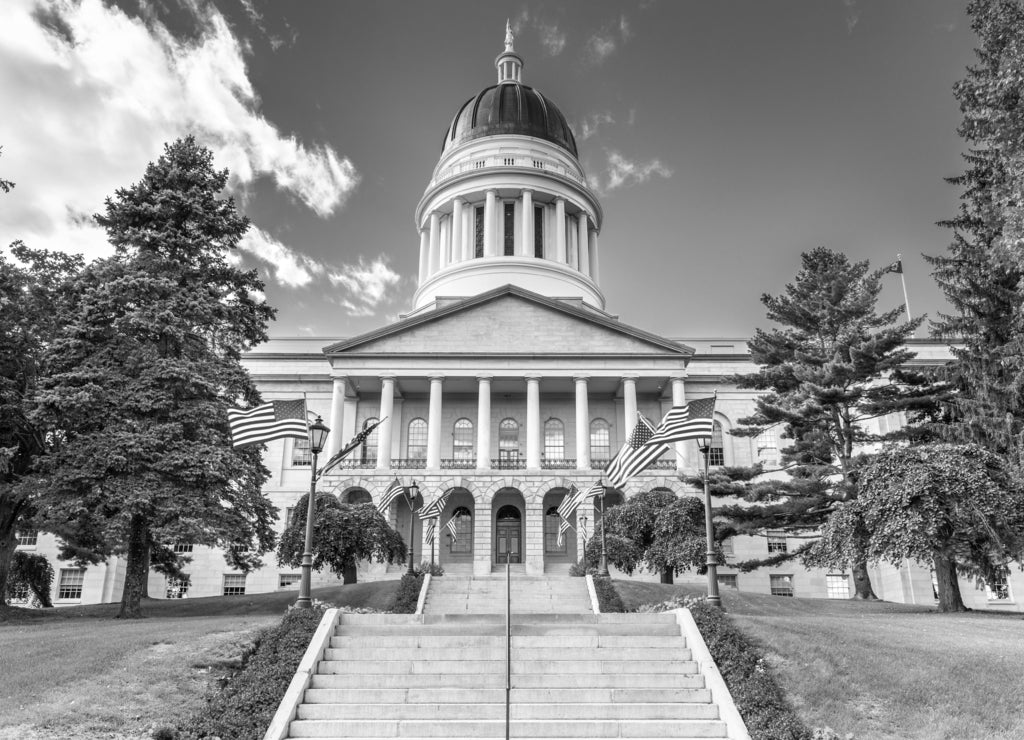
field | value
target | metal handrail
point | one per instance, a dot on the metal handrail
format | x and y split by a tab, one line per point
508	641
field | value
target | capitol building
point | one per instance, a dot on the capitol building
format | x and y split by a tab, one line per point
508	380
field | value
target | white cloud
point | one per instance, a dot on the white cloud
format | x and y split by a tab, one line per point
95	93
290	268
589	126
552	38
368	285
622	172
603	43
852	13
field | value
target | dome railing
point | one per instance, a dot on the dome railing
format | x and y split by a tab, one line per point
529	162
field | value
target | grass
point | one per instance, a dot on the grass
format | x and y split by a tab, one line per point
79	673
879	670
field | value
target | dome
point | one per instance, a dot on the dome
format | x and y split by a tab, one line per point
509	108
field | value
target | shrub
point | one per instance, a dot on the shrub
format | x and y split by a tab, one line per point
244	707
433	569
408	595
580	569
608	598
32	572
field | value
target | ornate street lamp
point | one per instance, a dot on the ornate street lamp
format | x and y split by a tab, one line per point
318	432
411	492
602	569
704	444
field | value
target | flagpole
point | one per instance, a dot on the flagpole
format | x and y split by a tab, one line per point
903	281
603	569
714	599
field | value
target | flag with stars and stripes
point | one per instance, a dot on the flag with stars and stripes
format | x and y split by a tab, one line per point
353	444
393	492
572	501
635	455
692	421
428	535
435	507
450	526
268	421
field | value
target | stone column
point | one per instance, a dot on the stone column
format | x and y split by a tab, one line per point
490	233
629	408
424	254
335	440
458	252
584	243
533	534
483	541
533	422
582	424
387	412
526	243
434	424
435	242
444	242
678	399
594	272
483	423
560	250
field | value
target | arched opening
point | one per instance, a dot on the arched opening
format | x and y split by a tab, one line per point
508	507
356	496
558	553
455	533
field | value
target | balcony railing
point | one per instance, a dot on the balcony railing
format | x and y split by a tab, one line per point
458	463
564	463
409	463
464	463
508	463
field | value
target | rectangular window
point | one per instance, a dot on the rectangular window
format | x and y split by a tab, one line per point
18	593
301	454
551	522
727	580
463	532
998	589
26	538
177	588
478	232
234	584
538	164
716	453
538	232
288	515
70	584
182	547
768	448
509	161
781	585
837	586
727	547
510	229
777	542
286	580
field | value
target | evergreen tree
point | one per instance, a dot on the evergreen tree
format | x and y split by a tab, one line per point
981	275
142	375
831	365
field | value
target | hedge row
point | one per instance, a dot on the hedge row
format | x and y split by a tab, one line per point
408	595
608	598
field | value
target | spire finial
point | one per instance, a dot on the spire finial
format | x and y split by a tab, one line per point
508	35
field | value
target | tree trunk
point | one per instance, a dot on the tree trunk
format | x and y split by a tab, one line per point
666	575
135	569
949	588
350	574
862	583
10	507
145	581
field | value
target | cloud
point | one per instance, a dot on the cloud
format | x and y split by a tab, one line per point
368	285
95	93
852	14
589	126
552	38
604	43
290	268
622	172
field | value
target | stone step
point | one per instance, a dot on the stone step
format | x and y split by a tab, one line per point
526	655
520	729
518	711
496	680
549	630
421	695
404	642
522	667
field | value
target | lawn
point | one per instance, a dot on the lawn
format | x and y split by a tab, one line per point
883	671
78	673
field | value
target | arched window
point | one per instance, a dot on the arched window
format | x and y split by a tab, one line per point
600	440
370	444
554	440
462	440
301	453
508	440
417	439
463	540
716	455
357	496
551	521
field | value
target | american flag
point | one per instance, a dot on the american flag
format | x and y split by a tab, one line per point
571	503
435	507
635	455
450	526
268	421
695	419
393	491
428	535
353	443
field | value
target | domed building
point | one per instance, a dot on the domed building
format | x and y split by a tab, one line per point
507	382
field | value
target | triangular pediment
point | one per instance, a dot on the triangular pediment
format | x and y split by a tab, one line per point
509	321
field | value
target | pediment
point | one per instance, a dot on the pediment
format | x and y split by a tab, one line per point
510	321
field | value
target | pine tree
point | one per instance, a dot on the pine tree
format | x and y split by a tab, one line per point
831	365
981	274
143	372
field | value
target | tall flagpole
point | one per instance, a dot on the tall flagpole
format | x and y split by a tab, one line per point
903	280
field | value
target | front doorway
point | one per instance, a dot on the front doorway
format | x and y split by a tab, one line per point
508	539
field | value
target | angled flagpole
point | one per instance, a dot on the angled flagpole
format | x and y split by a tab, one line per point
903	280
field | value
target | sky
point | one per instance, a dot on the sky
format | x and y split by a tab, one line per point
723	137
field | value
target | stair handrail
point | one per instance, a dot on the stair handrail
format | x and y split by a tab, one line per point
508	641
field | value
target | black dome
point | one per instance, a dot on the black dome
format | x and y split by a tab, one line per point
509	108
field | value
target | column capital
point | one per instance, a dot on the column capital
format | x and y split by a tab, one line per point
532	376
526	190
630	376
435	376
484	377
491	191
388	376
581	378
679	375
559	199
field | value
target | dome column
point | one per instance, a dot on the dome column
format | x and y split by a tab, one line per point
560	251
435	242
490	233
526	243
424	254
594	274
584	243
458	254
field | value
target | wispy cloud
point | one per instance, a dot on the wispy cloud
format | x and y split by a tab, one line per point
603	43
368	285
621	172
99	92
552	38
287	267
852	14
589	125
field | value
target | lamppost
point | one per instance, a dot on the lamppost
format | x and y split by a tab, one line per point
318	432
602	569
704	444
411	492
583	532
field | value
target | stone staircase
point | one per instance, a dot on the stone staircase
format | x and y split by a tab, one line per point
575	674
486	595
